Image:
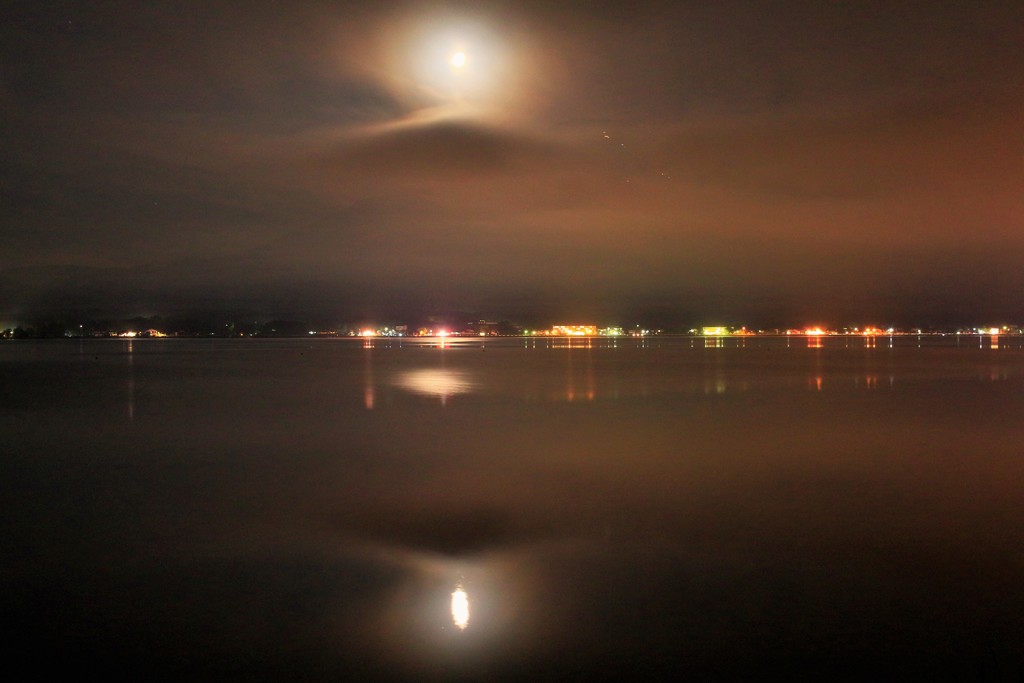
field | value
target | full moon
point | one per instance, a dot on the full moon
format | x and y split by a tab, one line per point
456	67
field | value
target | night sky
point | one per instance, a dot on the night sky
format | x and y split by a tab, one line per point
728	162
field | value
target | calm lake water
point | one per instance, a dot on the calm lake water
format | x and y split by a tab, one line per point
317	510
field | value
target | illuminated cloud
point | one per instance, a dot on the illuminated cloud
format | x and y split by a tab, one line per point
704	158
449	65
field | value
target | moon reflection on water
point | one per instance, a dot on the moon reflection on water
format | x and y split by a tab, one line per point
436	382
460	608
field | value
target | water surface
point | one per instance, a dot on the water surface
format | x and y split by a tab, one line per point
515	509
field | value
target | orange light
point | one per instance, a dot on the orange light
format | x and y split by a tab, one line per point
574	330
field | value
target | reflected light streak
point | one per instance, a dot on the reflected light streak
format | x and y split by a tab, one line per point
369	392
131	381
591	384
460	608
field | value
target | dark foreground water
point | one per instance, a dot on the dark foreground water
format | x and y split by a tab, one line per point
306	509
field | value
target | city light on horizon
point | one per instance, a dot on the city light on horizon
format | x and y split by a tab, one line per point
480	329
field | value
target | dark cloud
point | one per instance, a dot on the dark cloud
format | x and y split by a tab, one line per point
446	149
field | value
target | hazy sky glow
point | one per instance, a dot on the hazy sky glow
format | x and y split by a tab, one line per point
747	162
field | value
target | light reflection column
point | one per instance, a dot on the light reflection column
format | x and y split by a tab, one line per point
131	381
369	388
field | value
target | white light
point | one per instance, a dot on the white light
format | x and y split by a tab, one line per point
460	608
437	382
462	64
